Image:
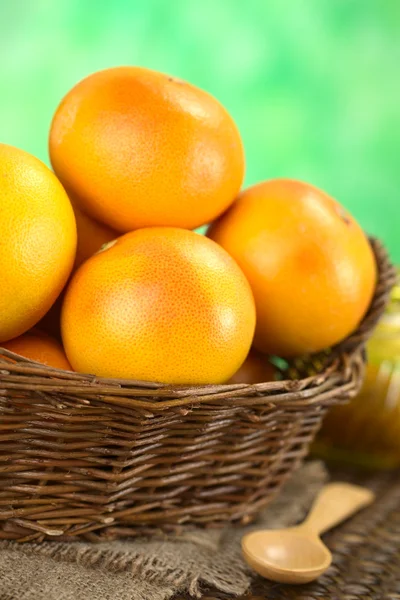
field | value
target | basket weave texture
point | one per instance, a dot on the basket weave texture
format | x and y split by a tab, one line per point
83	457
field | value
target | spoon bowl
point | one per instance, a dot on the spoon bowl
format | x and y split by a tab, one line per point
287	556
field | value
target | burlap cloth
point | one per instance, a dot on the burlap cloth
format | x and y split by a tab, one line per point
143	569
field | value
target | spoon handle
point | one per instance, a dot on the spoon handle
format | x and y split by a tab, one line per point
334	504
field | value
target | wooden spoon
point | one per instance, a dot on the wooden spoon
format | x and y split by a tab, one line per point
297	554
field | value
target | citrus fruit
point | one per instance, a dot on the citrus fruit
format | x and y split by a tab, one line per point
39	347
50	323
159	304
37	240
138	148
255	369
310	266
91	235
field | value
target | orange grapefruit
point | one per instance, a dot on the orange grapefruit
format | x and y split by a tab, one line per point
38	240
160	304
255	369
39	347
138	148
91	235
310	266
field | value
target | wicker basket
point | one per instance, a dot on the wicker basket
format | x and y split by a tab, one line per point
89	458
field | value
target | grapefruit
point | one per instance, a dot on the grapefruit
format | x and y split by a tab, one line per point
159	304
255	369
310	266
138	148
37	242
92	235
39	347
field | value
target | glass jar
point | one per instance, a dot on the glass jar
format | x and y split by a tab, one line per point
366	432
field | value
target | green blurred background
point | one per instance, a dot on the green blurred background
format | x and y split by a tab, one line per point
314	85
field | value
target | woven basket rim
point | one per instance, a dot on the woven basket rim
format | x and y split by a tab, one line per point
148	395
